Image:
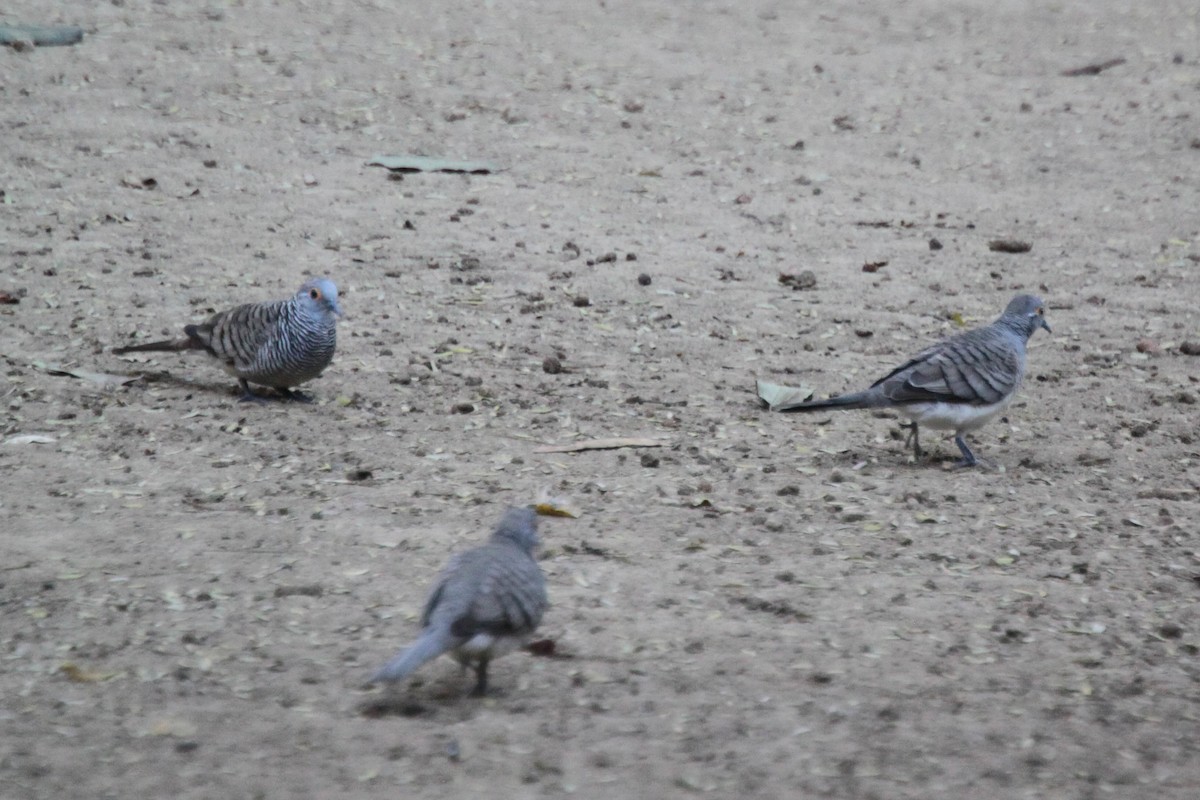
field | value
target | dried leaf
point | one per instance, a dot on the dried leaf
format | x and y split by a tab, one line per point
30	438
98	378
172	727
1009	246
553	507
779	397
41	35
79	675
131	182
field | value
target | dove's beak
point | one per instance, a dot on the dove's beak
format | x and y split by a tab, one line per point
337	309
1046	325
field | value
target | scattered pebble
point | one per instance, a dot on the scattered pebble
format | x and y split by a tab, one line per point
552	366
934	244
1170	630
644	280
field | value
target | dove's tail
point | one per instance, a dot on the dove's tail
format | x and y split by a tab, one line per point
429	646
166	344
843	402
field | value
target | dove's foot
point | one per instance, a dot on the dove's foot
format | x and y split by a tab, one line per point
293	396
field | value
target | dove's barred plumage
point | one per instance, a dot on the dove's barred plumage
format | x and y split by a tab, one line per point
485	603
958	384
281	343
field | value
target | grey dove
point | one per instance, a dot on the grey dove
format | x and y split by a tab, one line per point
958	384
486	602
279	344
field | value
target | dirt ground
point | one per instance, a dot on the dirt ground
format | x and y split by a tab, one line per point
193	590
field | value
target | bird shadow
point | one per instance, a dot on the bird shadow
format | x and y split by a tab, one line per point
212	389
449	692
422	699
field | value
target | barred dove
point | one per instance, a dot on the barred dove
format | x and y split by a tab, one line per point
958	384
280	344
485	603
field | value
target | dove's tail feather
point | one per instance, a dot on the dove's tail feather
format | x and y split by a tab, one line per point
429	646
166	344
843	402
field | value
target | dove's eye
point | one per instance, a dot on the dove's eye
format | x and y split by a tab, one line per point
1041	311
315	294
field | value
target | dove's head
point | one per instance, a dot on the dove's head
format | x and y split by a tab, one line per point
320	295
1027	313
519	526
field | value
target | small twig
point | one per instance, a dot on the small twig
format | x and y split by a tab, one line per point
1093	69
599	444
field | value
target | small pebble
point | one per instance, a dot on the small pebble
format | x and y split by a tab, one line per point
551	366
644	280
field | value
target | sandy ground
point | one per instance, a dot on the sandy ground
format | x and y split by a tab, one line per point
767	605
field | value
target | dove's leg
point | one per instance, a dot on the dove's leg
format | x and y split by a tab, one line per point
913	438
293	395
247	395
968	459
480	678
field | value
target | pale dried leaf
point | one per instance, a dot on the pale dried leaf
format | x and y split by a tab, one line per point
777	396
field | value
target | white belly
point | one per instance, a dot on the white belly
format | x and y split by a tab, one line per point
953	416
